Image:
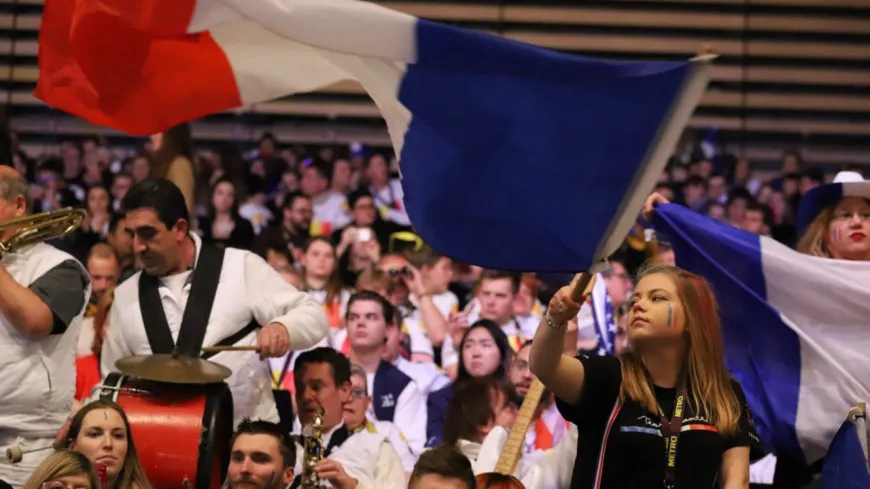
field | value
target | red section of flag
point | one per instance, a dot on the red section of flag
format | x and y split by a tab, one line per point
93	63
161	18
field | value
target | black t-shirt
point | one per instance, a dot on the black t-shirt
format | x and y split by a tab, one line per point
635	450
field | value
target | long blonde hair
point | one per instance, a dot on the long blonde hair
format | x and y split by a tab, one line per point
64	463
711	392
815	240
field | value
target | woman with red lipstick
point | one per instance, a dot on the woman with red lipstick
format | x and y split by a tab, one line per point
100	431
671	386
834	219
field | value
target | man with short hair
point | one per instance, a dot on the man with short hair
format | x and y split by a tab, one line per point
292	232
43	294
396	397
443	467
437	273
330	207
496	292
122	243
351	460
262	456
547	425
695	194
245	302
755	218
388	195
104	269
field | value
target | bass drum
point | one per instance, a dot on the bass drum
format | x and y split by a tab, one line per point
182	432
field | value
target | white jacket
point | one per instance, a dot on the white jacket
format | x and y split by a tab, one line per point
248	289
37	377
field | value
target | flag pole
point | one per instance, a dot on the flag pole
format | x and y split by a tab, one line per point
858	416
582	286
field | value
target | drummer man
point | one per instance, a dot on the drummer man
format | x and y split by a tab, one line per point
43	293
189	295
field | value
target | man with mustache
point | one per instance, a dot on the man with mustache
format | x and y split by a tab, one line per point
247	302
547	426
262	457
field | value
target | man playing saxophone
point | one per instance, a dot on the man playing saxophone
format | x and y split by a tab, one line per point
344	459
43	293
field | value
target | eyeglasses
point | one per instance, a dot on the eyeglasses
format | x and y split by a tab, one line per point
520	364
358	393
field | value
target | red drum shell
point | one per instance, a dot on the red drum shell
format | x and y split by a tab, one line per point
182	432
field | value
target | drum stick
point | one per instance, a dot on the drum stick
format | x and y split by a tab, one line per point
218	349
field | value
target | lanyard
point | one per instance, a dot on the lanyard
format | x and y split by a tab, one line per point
280	381
671	433
376	196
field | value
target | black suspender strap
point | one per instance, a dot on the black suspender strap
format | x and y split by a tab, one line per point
156	326
337	439
206	277
671	433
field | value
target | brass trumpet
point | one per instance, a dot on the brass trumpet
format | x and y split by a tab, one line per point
37	228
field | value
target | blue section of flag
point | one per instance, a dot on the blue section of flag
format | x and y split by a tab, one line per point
518	157
762	352
845	466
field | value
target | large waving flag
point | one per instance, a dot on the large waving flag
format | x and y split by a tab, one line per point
512	156
796	327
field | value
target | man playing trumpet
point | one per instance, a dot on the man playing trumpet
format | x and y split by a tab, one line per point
43	293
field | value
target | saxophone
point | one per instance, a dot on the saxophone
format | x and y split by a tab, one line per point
313	453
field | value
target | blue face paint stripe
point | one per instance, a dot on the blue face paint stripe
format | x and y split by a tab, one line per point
670	315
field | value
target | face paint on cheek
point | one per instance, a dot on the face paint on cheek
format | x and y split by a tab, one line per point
670	315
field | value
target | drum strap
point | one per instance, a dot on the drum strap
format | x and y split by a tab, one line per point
206	276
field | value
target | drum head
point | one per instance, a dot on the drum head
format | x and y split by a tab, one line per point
173	369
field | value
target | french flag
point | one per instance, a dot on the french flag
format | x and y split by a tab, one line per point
533	153
795	327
